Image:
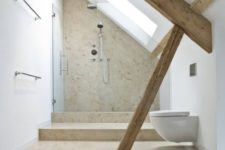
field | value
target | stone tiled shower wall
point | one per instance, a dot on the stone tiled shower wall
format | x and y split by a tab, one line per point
130	64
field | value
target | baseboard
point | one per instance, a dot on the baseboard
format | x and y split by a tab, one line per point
44	124
200	147
27	144
34	140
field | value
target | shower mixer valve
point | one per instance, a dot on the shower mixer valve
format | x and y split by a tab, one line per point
93	60
94	51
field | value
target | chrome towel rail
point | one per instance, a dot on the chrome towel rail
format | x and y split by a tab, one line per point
26	74
26	5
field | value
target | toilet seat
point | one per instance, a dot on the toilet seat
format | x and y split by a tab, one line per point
170	114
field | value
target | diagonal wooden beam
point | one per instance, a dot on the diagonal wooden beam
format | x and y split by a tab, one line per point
152	88
198	6
197	27
158	50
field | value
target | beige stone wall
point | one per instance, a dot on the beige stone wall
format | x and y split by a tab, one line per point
130	64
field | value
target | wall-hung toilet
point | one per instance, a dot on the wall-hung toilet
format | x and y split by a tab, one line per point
175	126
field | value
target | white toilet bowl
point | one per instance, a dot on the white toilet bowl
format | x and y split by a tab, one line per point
175	126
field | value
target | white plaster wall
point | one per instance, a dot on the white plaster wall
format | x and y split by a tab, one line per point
220	44
196	94
165	93
216	15
203	95
25	45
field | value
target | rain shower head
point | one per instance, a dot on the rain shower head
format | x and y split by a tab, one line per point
92	6
100	25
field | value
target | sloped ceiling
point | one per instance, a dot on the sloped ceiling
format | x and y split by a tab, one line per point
164	25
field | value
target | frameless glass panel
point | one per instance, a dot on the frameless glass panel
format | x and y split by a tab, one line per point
58	57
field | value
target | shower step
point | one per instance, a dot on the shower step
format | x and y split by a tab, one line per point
94	132
93	117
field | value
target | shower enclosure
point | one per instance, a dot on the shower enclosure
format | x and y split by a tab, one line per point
97	66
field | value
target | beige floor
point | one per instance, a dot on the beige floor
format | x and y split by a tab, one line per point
107	146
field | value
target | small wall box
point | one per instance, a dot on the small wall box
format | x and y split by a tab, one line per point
193	70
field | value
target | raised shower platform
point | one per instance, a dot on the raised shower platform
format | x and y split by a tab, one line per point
93	117
93	126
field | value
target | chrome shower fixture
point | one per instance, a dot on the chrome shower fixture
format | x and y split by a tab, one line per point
92	5
100	25
94	51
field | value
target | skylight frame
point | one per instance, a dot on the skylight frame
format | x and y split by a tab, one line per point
135	15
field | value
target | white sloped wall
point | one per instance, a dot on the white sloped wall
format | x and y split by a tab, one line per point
25	45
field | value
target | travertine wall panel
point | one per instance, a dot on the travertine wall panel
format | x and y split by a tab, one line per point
130	64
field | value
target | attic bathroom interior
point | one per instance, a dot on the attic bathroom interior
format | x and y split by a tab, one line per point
97	69
112	75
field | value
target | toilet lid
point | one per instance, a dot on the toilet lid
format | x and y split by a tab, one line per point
170	114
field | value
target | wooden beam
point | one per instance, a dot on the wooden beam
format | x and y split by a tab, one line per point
198	6
152	89
197	27
158	50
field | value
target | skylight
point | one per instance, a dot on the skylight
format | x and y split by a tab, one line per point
134	14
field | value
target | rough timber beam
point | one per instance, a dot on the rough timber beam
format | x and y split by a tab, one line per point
152	88
197	27
158	50
198	6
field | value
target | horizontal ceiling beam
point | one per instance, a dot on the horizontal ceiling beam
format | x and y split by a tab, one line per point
197	27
